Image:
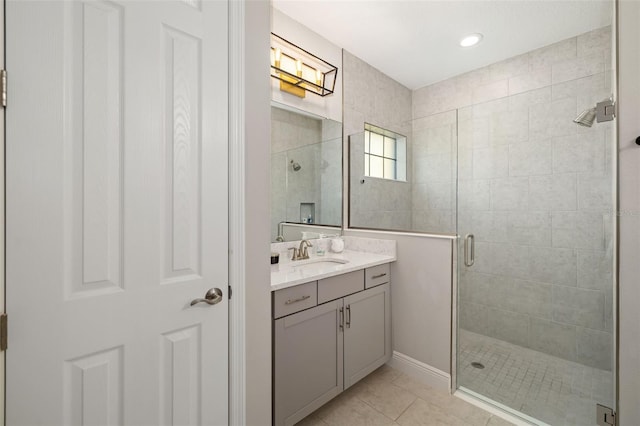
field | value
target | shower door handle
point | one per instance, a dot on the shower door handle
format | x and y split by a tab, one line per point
469	250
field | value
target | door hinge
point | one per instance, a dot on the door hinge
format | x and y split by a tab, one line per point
605	416
3	82
229	291
3	332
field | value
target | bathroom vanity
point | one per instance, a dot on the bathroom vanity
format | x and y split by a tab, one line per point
330	328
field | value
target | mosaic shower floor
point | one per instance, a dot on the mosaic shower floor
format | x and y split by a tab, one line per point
556	391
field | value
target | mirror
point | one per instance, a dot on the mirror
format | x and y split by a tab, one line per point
306	175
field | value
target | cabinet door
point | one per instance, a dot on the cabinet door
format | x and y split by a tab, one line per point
367	332
308	355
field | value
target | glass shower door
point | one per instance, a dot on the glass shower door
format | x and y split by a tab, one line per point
535	323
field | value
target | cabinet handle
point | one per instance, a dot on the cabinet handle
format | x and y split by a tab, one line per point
348	316
378	276
299	299
341	319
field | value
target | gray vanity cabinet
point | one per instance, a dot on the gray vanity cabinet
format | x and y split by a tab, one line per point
320	351
307	361
367	333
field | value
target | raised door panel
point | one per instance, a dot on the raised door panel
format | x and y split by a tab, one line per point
93	389
307	361
182	190
367	333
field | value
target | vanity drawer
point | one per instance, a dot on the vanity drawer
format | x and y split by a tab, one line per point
377	275
340	286
294	299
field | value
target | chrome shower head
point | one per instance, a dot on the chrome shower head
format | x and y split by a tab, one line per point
603	111
295	166
586	117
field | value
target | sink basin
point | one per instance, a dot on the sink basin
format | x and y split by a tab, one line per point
327	261
317	264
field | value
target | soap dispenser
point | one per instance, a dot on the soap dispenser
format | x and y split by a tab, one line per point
320	246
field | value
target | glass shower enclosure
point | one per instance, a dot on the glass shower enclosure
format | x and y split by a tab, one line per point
535	300
496	157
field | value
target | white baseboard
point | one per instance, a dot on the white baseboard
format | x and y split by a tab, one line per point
425	373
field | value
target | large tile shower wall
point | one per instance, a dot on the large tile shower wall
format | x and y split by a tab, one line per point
536	191
374	98
434	162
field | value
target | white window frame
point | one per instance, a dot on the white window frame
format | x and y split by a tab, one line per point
400	153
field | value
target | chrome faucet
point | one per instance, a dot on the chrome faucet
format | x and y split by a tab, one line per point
301	252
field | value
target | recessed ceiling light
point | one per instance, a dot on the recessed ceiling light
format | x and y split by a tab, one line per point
471	40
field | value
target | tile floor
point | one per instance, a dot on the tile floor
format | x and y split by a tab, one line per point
389	397
551	389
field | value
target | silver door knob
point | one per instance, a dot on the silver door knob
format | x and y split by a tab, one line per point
213	296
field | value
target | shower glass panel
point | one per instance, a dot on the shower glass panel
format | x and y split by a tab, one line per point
535	310
424	198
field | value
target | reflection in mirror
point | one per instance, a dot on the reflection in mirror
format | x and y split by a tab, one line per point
306	175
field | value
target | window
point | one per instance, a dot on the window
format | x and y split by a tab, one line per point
385	154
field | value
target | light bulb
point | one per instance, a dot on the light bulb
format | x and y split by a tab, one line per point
471	40
278	56
298	67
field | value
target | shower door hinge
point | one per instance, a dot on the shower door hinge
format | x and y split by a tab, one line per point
605	416
3	82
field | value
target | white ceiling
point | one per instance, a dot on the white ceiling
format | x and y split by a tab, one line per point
416	42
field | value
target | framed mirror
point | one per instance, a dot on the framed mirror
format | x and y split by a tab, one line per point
306	174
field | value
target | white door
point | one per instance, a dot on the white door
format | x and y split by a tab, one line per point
116	212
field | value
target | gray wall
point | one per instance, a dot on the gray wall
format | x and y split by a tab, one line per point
372	97
629	207
421	282
256	328
536	191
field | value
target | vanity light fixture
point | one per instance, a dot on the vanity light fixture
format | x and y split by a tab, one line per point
300	71
471	40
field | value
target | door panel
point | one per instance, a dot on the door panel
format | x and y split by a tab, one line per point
536	292
117	187
367	333
307	361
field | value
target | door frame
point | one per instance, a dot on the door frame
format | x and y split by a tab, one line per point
249	197
3	307
237	259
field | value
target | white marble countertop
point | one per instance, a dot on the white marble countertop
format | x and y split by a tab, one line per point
289	273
